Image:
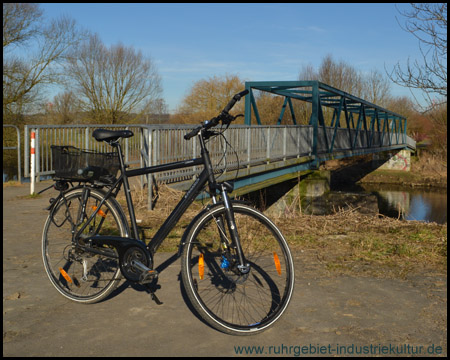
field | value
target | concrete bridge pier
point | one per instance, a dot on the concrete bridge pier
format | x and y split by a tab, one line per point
312	195
392	160
310	184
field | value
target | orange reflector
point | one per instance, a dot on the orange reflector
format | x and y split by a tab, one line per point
277	262
100	212
65	275
201	267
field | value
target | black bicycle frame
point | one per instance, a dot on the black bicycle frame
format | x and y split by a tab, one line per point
205	176
181	207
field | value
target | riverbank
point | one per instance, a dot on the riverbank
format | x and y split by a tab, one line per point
346	242
352	243
426	171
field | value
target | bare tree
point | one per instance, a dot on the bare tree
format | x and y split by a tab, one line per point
340	75
113	82
65	108
308	73
156	112
20	23
373	86
23	28
376	88
208	97
428	23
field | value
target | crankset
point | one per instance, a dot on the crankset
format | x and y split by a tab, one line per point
136	265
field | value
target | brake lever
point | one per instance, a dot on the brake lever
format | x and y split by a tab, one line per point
227	119
209	133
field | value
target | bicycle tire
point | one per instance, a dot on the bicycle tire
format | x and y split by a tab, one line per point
81	276
237	304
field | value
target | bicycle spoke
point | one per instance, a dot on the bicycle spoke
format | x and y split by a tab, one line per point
233	301
79	275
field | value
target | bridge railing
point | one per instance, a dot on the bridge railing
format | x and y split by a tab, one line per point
75	135
243	146
160	144
354	140
247	145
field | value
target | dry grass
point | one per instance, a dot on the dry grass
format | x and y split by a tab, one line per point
12	183
346	242
430	165
151	220
427	170
349	242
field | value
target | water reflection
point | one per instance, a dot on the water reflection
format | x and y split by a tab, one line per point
428	206
412	204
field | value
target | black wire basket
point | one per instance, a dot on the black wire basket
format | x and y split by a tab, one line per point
73	164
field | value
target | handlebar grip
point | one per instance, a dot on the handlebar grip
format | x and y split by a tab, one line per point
233	101
243	93
215	121
192	133
206	125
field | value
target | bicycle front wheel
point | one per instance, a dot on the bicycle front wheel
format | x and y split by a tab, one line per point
232	302
84	277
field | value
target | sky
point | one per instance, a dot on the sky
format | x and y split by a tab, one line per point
257	42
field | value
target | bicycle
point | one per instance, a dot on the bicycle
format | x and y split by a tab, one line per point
236	266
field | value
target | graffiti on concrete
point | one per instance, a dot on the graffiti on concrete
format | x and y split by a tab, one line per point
399	161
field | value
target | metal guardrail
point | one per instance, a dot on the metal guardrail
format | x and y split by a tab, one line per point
160	144
76	135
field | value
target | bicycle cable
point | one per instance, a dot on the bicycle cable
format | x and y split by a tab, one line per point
221	171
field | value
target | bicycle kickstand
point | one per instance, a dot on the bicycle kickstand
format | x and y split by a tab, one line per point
151	289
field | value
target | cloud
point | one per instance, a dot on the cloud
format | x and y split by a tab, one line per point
316	29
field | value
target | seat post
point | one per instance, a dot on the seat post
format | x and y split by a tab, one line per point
126	188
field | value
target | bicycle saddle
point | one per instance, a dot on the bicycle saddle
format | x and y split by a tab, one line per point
111	135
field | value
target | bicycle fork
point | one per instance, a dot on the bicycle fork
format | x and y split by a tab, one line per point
235	242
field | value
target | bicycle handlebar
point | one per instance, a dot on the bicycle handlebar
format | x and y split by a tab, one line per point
222	116
233	101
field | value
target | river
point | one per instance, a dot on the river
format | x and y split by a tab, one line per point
423	204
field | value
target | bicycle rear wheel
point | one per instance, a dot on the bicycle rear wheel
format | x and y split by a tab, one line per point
232	302
81	276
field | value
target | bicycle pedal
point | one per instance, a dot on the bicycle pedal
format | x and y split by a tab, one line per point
148	276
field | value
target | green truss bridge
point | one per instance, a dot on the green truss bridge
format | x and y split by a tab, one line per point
316	123
338	125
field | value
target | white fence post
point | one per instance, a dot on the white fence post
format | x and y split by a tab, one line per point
33	162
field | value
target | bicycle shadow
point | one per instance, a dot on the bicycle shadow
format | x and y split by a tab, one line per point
142	288
155	286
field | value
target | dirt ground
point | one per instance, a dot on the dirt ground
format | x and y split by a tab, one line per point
329	315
